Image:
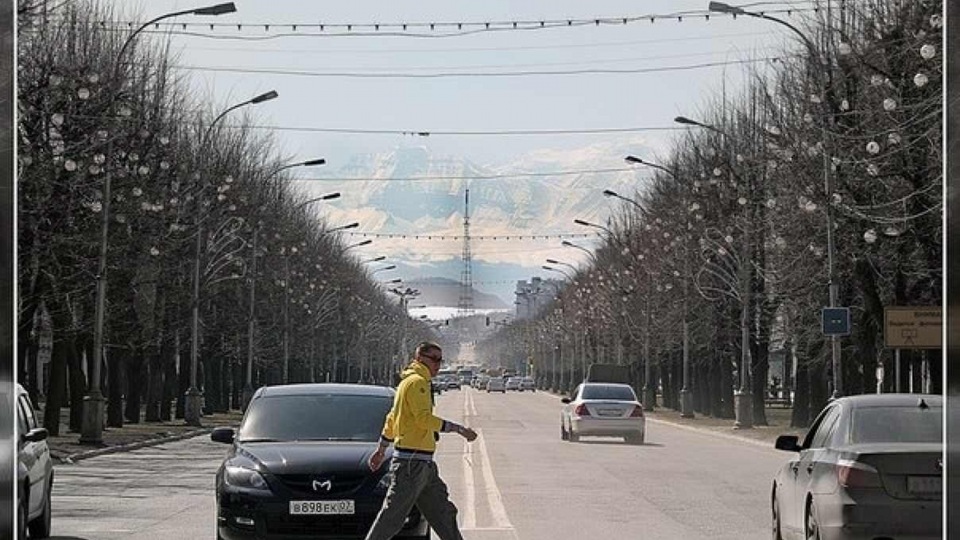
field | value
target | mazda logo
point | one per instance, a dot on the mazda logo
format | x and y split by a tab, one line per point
326	484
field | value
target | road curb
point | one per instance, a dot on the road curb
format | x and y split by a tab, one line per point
73	458
713	433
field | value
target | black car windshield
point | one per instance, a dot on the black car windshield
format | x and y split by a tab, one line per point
897	425
608	391
323	417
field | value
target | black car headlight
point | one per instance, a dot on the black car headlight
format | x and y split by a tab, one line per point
242	477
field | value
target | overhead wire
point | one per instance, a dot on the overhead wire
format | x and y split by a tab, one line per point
469	177
404	29
393	51
399	75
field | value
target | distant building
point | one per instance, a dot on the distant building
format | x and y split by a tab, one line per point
534	295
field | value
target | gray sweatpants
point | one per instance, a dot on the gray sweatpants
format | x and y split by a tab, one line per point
416	482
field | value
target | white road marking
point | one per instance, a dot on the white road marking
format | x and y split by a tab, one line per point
494	498
470	506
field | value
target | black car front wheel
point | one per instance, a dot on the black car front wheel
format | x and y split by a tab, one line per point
40	527
22	518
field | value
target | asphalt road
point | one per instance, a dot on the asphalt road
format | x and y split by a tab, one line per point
518	480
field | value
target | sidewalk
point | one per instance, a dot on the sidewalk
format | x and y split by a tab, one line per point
778	419
66	447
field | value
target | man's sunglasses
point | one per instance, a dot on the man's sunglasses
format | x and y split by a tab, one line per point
434	358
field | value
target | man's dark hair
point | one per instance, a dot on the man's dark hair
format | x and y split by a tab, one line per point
426	347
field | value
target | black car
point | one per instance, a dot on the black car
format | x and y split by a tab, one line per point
34	471
298	468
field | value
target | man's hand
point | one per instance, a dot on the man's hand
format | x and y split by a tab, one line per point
468	434
376	459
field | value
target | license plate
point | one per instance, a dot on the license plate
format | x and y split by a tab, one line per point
924	484
321	508
609	412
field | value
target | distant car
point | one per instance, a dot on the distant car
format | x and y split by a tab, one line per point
527	383
871	466
453	383
34	471
602	409
480	383
513	383
495	384
297	467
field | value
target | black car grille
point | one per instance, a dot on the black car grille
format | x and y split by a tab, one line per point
348	526
340	484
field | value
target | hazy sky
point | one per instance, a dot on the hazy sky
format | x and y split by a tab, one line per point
324	78
474	103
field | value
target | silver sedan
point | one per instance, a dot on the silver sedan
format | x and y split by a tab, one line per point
602	409
870	467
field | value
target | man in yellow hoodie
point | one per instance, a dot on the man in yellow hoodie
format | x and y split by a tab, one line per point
411	427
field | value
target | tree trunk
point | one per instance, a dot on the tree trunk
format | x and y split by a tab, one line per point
170	382
27	345
155	377
800	415
58	382
115	362
78	381
134	385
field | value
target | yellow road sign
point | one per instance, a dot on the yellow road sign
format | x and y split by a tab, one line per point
915	327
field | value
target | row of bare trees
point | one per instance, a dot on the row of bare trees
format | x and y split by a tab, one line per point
728	236
278	286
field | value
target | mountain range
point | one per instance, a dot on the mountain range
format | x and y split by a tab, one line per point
410	192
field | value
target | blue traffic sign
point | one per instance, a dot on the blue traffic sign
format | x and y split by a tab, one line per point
835	321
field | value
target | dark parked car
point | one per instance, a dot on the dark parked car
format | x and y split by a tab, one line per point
870	467
297	467
34	471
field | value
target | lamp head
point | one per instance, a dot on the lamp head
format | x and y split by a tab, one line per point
331	196
686	121
314	162
582	222
218	9
633	159
265	97
721	7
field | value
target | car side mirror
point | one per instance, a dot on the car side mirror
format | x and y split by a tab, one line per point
788	443
565	400
36	435
222	434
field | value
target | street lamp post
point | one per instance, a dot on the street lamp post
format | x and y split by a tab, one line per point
559	271
742	398
828	111
91	431
686	393
192	399
247	394
567	243
385	268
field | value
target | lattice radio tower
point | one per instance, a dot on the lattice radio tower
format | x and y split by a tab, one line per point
465	305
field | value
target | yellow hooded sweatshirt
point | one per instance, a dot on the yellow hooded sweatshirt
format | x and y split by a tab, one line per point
410	424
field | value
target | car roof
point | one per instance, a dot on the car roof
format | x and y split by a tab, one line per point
891	400
325	388
605	384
